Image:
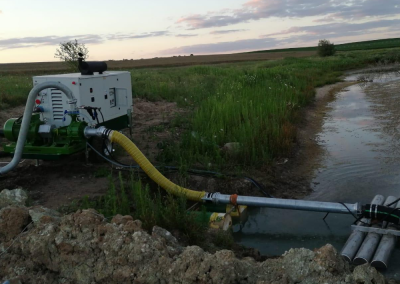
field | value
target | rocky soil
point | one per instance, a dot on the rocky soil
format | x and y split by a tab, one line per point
38	245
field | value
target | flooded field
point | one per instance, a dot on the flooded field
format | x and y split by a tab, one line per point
360	139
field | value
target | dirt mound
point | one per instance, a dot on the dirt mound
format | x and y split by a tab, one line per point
84	248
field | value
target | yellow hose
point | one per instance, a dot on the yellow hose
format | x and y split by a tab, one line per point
151	171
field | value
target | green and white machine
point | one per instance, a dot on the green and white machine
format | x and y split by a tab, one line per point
101	99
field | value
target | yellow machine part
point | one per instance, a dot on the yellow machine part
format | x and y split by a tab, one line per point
151	171
220	221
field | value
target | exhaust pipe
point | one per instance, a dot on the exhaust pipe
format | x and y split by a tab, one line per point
371	241
356	238
385	249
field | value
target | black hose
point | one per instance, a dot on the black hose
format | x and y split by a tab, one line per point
382	213
1	132
175	169
102	117
111	161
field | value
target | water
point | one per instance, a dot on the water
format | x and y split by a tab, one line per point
361	136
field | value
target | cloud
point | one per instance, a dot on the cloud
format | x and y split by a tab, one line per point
26	42
338	29
186	35
226	32
46	40
307	35
348	10
142	35
229	46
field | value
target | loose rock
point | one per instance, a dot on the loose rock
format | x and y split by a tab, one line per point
84	248
13	197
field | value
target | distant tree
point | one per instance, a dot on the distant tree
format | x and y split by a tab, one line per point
326	48
68	52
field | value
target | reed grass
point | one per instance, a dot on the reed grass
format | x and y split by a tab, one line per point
254	105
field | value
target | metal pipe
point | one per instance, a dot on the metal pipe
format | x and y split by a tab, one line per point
356	238
385	248
27	119
318	206
98	132
371	242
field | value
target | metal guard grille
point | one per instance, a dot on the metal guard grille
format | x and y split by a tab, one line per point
57	104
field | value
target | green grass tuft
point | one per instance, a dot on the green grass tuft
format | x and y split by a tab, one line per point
153	209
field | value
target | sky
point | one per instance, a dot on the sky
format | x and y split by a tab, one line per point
31	31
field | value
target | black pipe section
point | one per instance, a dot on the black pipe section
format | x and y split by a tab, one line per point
382	213
87	68
1	132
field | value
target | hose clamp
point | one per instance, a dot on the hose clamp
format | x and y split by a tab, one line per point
96	132
211	197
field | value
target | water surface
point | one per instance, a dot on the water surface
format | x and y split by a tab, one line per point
361	138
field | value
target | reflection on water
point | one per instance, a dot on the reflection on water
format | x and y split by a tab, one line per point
361	135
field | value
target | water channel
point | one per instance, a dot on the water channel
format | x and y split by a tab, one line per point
361	140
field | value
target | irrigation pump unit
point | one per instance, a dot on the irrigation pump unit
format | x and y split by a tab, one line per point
56	120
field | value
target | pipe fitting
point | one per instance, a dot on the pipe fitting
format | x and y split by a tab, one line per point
96	132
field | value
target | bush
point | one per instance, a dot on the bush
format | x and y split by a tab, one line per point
325	48
69	53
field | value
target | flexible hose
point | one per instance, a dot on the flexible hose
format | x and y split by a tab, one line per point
151	171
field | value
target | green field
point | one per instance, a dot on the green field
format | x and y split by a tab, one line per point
254	104
362	45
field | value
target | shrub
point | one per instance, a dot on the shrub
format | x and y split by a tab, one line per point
326	48
69	53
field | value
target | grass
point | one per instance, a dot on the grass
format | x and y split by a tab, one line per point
131	197
41	68
14	90
361	45
252	104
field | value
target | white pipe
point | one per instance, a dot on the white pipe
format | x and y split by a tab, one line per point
371	241
385	248
27	119
356	238
306	205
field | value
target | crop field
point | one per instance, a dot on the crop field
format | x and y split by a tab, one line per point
56	67
251	104
362	45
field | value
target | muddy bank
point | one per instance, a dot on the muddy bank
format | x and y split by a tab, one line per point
84	248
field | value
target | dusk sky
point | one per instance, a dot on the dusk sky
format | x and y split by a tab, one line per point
30	31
